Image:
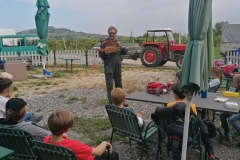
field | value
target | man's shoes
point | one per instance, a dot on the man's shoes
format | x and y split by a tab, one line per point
228	136
211	156
36	119
125	105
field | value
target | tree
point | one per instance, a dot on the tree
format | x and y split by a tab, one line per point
131	37
217	31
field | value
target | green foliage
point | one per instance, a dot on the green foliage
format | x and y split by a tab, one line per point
41	83
61	96
82	44
96	129
72	100
60	33
15	88
217	30
85	41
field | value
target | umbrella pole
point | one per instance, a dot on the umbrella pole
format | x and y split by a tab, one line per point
186	126
44	60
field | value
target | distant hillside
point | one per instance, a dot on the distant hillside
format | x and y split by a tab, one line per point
59	33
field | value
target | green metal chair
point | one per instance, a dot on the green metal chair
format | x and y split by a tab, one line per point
195	134
162	123
125	124
19	141
50	152
226	82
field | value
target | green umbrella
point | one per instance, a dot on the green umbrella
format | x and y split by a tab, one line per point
198	57
42	20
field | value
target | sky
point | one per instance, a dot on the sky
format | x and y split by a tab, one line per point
95	16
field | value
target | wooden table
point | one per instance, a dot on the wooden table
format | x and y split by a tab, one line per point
72	59
5	153
201	103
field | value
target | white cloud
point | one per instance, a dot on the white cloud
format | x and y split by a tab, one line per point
137	15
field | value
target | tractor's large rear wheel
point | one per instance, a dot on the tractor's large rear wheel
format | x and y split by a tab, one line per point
162	63
150	56
179	61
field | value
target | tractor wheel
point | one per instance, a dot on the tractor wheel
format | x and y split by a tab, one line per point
162	63
179	61
150	56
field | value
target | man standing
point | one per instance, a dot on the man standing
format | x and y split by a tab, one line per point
112	62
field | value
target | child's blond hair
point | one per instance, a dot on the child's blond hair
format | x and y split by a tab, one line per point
118	96
6	75
218	72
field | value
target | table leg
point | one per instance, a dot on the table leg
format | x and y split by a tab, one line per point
227	86
71	65
66	64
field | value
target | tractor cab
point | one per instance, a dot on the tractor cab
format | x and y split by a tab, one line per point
159	36
160	47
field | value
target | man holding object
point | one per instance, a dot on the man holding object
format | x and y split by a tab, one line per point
112	62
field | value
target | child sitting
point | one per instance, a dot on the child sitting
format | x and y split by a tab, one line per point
177	77
180	98
59	122
118	97
5	96
15	112
177	110
233	119
217	77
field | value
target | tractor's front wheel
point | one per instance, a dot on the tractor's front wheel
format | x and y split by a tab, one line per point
150	56
179	61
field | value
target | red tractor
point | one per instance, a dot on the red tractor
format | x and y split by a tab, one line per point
161	48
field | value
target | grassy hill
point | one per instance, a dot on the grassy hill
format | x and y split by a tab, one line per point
60	33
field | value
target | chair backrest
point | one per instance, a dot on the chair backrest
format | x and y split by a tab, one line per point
124	122
162	123
215	88
194	130
19	141
47	151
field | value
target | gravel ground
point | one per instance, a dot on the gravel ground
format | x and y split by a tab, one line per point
90	105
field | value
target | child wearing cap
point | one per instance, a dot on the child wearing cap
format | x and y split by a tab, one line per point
59	122
6	92
15	112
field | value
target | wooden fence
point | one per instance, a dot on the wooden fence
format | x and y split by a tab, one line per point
92	57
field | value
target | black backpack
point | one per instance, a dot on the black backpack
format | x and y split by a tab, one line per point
175	136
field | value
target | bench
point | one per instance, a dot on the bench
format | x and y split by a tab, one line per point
125	123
